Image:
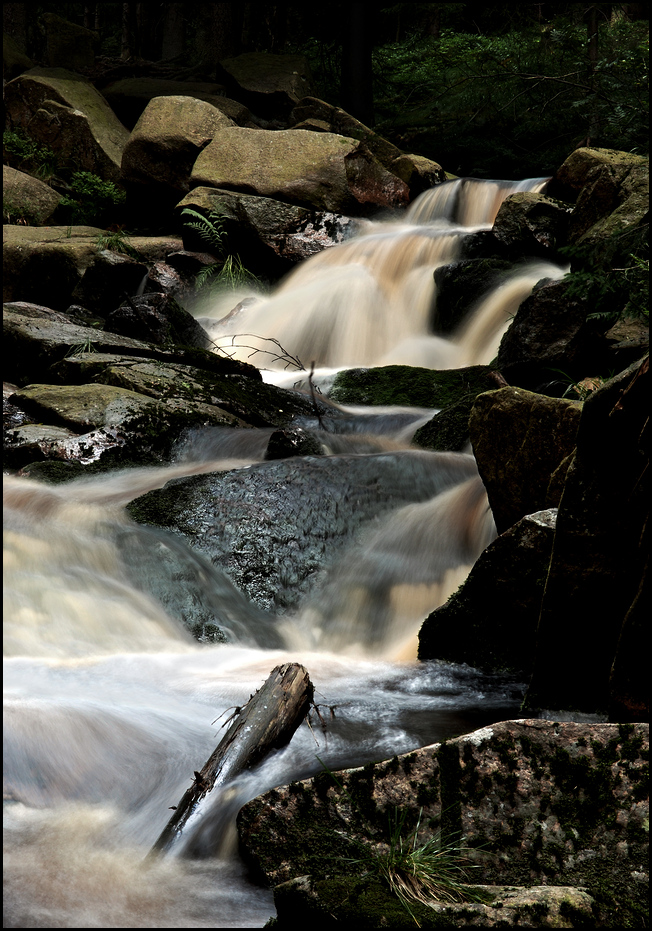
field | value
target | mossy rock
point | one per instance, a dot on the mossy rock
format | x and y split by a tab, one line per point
411	386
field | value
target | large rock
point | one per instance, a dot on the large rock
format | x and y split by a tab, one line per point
61	109
128	97
157	318
321	170
490	622
519	439
37	337
269	84
27	199
532	225
461	285
58	265
535	803
417	172
610	190
271	236
410	385
551	341
275	528
167	139
592	623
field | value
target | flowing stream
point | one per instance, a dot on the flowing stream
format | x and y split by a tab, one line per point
110	705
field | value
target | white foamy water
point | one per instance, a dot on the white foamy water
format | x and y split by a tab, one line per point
110	705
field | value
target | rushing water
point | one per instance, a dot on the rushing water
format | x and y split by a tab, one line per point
110	705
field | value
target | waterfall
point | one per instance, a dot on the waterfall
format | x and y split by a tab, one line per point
110	704
371	300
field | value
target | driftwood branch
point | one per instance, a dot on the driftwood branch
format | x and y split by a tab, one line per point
267	722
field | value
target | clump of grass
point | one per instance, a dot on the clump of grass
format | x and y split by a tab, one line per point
434	872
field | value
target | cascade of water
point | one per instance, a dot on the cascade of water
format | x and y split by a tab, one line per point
109	704
371	300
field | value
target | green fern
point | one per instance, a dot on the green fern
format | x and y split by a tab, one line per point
210	229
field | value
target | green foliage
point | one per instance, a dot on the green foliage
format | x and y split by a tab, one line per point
210	229
117	241
428	873
228	273
23	153
92	200
510	100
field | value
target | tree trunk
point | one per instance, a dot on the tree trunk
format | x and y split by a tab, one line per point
267	722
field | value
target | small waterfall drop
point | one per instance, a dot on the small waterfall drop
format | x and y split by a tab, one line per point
371	300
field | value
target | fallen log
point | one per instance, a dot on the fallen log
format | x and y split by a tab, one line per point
267	722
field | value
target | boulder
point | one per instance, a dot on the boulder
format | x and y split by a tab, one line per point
37	337
276	527
610	190
418	172
596	580
61	109
269	84
167	139
551	342
490	622
519	439
68	45
26	199
57	266
532	803
157	318
271	236
532	225
461	285
321	170
128	97
44	265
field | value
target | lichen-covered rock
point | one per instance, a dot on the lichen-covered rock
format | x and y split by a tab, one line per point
491	621
63	110
166	140
369	903
519	438
27	199
533	802
321	170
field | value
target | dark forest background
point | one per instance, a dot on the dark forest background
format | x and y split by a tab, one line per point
499	90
